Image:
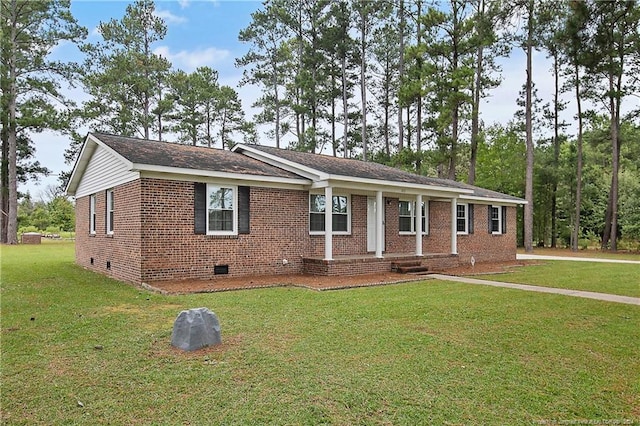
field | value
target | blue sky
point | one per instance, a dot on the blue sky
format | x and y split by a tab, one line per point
205	33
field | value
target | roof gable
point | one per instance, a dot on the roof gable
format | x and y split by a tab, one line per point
152	157
173	155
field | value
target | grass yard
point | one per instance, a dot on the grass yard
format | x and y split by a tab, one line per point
78	348
613	278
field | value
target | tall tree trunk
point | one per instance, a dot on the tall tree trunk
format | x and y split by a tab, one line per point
576	226
4	163
387	96
401	75
456	103
146	103
475	108
12	215
159	111
334	146
611	217
4	181
277	104
419	108
528	208
345	106
556	155
363	71
209	126
408	126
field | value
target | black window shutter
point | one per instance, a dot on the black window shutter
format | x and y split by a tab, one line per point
106	211
200	208
244	195
489	218
504	219
470	206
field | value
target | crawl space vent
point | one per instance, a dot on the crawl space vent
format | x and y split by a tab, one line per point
221	269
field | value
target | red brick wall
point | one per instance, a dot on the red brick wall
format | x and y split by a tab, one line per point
157	242
355	243
484	246
122	249
171	250
437	241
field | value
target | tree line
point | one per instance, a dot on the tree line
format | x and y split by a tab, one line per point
401	82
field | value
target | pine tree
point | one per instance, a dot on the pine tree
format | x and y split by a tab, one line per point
266	65
124	77
30	84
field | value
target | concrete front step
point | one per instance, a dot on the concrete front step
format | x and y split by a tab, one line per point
412	269
409	267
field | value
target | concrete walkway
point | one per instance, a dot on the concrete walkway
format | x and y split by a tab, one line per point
577	259
576	293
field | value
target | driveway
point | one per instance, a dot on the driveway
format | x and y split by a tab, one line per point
577	259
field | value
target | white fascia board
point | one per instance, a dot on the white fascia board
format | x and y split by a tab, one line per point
390	186
88	148
495	201
90	145
148	170
274	160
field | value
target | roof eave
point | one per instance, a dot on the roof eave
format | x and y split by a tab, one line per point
137	167
80	166
493	200
401	187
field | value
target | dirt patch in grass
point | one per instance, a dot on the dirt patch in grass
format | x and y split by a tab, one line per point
316	282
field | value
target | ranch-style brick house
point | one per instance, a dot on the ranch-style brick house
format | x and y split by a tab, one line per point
151	211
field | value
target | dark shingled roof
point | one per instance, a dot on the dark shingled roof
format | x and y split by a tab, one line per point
352	168
156	153
368	170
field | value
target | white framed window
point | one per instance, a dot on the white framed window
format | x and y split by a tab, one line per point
341	214
110	210
407	217
496	219
92	214
462	218
221	210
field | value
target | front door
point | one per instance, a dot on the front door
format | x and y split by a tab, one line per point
371	224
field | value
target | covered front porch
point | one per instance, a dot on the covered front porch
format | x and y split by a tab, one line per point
371	263
376	217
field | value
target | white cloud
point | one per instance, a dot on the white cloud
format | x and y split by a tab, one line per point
190	60
183	3
95	32
169	17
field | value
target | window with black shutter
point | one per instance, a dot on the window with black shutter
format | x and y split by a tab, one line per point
244	209
504	219
200	208
497	220
221	210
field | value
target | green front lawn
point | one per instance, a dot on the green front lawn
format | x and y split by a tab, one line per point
421	353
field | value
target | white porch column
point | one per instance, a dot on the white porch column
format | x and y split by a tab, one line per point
419	225
454	228
328	223
379	227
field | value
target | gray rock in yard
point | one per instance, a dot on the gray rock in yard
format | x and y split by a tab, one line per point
195	329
